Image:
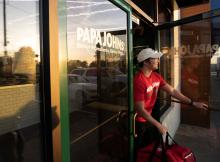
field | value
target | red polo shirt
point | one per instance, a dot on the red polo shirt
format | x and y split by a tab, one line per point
146	89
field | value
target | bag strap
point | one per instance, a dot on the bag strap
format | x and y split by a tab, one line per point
158	143
168	136
164	145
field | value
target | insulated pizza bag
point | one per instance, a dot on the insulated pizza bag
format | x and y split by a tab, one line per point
160	151
144	154
177	153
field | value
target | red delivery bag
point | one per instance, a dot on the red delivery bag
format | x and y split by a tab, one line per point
160	151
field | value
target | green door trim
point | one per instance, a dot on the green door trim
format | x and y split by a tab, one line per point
123	5
128	9
64	107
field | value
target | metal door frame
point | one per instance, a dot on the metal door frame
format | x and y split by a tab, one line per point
194	18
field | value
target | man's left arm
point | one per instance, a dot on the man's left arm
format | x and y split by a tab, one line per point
178	95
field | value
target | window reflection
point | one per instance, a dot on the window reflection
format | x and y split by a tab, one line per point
195	69
20	136
19	46
97	72
166	62
196	63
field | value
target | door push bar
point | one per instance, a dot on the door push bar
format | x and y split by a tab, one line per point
176	101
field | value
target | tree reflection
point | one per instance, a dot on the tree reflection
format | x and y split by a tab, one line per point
20	69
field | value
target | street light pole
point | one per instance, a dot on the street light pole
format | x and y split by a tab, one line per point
5	32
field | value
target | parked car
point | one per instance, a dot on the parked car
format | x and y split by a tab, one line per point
110	77
78	71
80	91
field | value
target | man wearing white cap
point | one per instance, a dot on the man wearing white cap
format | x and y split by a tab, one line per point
146	86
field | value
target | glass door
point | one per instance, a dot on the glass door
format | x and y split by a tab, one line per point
198	52
195	52
97	73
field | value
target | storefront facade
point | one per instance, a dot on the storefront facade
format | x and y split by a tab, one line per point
78	58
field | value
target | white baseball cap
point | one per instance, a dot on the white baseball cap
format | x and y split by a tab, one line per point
148	53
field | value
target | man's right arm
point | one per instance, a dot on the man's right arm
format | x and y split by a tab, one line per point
139	107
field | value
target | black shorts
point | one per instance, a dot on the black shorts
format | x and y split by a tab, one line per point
146	133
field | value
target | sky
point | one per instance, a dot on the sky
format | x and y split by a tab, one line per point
215	4
22	21
98	14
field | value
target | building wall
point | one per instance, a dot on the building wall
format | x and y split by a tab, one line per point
19	107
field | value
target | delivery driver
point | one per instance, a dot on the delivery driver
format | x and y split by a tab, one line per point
146	86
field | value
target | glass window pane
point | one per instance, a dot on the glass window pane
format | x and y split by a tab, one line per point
20	135
97	43
200	46
166	62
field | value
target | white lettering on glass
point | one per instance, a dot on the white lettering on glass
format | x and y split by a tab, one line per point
104	39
